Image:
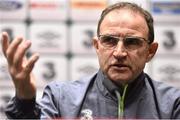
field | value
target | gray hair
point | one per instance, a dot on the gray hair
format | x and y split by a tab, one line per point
135	8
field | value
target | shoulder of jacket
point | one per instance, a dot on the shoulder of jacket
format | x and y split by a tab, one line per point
71	85
164	89
68	95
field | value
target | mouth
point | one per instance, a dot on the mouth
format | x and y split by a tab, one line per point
121	67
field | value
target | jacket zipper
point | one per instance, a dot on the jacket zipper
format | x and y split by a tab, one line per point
121	102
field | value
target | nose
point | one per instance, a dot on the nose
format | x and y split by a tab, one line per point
120	51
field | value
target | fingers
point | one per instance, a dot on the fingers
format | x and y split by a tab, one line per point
15	54
5	42
20	53
30	63
15	51
24	73
19	67
11	51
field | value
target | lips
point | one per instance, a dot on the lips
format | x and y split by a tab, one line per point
120	66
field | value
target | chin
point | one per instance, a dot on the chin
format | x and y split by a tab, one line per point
120	78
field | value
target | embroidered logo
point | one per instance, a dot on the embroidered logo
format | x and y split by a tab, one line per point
86	114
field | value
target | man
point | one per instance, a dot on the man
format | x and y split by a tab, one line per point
120	89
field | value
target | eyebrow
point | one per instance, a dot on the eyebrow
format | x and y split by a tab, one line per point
121	35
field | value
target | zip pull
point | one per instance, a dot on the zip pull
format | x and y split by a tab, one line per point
121	102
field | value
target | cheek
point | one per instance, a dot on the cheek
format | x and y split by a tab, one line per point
104	58
138	60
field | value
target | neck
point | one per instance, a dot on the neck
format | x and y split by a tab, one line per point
112	86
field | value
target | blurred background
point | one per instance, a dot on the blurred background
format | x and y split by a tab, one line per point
62	30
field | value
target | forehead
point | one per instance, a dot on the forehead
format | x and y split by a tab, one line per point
124	19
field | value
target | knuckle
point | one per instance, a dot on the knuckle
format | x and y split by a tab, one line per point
27	69
23	47
8	52
22	50
18	77
12	71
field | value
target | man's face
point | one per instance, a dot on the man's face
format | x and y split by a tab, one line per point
121	64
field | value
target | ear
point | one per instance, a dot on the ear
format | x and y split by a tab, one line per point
95	43
152	51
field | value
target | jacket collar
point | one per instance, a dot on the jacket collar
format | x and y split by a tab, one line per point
107	87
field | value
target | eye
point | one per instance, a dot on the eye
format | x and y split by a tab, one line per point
109	40
133	41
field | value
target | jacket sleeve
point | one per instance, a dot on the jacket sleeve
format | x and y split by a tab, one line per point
31	109
19	109
49	102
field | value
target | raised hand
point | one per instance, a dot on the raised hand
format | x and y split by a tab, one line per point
20	68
